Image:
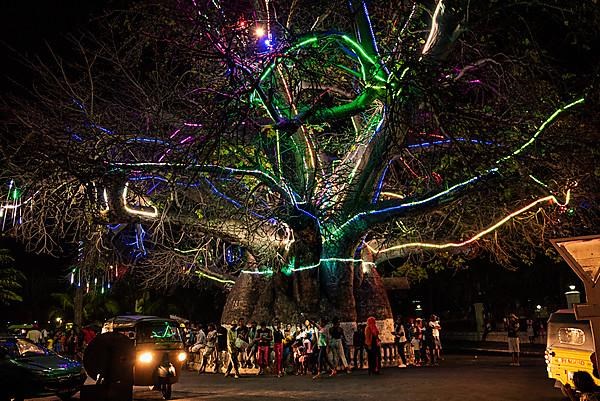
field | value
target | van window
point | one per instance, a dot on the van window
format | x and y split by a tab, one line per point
158	332
571	336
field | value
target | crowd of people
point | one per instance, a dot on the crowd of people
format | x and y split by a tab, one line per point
65	341
314	348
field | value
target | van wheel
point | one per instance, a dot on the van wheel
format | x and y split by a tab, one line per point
165	389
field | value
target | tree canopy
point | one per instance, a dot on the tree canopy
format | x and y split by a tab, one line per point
275	139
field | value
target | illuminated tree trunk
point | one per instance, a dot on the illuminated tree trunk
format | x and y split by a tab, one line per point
350	291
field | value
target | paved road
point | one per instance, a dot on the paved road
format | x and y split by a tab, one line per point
459	378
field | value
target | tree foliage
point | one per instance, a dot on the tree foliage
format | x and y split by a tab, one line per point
177	137
10	279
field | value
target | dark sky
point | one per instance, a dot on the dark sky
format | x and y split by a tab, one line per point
27	24
26	27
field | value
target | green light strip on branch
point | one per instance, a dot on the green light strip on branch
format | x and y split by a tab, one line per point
217	279
472	179
541	129
308	267
538	181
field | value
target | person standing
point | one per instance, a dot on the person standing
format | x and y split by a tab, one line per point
358	341
337	347
434	322
373	346
234	352
322	342
252	350
513	339
278	338
400	341
243	342
221	354
35	335
288	341
530	331
264	336
209	349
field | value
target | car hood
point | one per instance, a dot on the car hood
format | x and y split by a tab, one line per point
49	364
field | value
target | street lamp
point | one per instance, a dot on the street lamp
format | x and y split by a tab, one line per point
573	296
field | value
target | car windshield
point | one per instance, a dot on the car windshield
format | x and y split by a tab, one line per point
158	332
19	347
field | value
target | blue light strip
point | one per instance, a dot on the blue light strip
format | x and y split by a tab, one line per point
281	186
380	183
415	203
447	141
147	140
235	203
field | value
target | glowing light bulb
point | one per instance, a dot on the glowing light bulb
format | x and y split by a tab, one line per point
260	31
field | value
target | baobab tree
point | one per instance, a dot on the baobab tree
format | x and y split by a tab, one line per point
289	150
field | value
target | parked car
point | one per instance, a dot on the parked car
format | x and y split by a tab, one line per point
569	348
29	370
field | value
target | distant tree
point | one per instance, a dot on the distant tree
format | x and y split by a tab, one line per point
10	279
96	306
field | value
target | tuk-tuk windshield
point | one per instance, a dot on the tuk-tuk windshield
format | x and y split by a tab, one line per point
155	332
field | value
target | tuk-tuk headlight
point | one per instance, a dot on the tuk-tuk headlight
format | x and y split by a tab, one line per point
182	356
145	357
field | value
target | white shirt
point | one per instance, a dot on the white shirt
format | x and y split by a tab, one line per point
435	328
200	337
34	335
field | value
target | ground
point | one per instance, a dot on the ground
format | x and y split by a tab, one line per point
459	378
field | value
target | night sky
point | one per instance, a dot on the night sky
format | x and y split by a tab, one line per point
26	27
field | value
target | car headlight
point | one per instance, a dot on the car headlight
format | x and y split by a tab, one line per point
145	357
182	356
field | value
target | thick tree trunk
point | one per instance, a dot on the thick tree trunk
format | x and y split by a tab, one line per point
349	291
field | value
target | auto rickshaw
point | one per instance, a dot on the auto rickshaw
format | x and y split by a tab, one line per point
159	349
569	347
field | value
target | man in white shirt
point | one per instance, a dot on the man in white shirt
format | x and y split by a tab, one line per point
35	335
434	323
200	341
